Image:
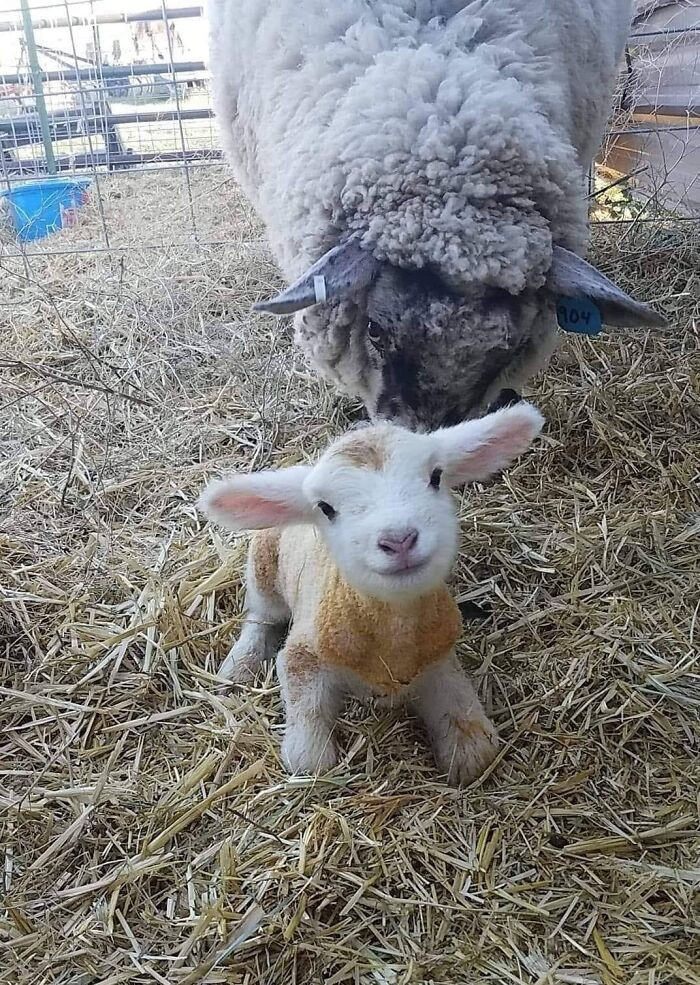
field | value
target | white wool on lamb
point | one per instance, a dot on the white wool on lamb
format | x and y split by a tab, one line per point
440	148
353	553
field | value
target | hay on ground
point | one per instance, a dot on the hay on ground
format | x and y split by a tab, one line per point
149	833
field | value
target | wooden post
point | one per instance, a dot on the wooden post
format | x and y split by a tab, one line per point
38	84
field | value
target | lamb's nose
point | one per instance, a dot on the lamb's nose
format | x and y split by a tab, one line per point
398	544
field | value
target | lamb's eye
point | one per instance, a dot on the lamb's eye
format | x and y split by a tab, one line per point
435	478
327	510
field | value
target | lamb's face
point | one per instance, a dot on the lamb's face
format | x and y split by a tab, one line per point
384	508
380	497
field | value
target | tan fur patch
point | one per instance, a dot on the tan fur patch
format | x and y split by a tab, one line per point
385	645
265	550
301	664
364	451
470	729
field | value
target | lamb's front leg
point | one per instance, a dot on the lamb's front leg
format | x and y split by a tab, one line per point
464	740
259	640
312	698
267	613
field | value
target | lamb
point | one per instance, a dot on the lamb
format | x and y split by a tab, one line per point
353	552
419	166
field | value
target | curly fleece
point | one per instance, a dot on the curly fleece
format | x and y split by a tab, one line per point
451	134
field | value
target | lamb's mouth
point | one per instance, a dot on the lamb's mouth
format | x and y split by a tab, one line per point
409	568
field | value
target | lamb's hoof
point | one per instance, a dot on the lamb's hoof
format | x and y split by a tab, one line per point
308	752
506	398
467	750
238	669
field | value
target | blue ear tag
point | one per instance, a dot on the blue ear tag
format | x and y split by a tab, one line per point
580	316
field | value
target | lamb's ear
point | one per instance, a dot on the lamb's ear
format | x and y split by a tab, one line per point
474	450
258	500
341	273
572	277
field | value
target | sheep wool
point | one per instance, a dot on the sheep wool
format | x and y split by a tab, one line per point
450	134
442	137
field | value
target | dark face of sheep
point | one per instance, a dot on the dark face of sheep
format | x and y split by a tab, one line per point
425	358
420	354
439	358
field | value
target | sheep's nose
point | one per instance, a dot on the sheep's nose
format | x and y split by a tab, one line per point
398	544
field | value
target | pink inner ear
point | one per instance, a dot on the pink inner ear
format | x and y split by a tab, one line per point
518	436
497	451
253	509
478	460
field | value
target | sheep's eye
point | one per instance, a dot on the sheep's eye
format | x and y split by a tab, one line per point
374	336
327	510
435	478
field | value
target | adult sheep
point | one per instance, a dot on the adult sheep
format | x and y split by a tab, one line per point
419	166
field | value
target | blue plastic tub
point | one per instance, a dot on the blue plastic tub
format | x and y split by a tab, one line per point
38	208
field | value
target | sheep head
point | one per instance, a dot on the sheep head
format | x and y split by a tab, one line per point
425	353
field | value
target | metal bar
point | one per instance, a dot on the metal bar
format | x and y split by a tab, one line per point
121	84
660	129
159	166
109	72
115	18
54	4
113	119
74	125
655	219
35	69
78	162
693	29
90	250
31	123
155	116
690	110
62	57
71	130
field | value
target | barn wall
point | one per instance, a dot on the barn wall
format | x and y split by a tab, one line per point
662	95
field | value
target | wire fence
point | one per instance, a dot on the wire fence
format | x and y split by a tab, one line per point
121	94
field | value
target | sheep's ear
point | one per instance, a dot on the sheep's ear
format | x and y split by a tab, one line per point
259	500
572	277
341	273
474	450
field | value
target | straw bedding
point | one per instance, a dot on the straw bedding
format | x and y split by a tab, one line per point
148	831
